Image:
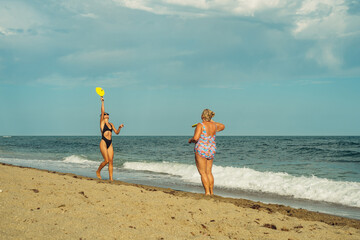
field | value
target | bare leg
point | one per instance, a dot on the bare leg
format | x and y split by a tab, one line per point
105	155
201	166
210	175
111	158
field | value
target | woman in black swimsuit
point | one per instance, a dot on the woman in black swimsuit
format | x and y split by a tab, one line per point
106	147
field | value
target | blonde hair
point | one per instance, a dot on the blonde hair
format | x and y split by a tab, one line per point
207	115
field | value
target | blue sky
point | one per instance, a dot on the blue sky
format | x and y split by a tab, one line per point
265	67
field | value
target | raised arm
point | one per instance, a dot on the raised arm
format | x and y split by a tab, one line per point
219	127
197	134
102	109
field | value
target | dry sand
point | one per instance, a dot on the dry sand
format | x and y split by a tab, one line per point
38	204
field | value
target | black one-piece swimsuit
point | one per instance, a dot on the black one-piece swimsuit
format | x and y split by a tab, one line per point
107	141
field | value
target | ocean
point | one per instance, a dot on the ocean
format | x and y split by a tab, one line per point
315	173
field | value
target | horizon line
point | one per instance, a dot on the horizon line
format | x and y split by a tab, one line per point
330	135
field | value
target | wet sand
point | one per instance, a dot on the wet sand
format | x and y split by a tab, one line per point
40	204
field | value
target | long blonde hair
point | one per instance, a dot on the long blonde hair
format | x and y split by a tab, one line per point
207	115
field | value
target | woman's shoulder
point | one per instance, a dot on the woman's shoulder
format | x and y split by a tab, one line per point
210	125
199	125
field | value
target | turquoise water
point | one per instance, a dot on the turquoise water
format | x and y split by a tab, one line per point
317	173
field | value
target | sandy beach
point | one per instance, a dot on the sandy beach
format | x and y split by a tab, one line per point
39	204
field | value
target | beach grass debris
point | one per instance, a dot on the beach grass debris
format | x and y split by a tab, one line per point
269	210
255	206
82	193
271	226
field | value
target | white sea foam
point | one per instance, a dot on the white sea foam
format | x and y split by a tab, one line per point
77	159
312	188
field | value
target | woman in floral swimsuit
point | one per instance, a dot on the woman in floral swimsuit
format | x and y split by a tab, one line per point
205	148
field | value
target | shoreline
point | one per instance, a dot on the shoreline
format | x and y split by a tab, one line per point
90	188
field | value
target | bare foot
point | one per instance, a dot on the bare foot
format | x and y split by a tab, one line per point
98	175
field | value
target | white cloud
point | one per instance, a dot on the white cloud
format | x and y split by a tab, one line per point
141	5
18	17
325	56
89	15
249	8
240	7
321	19
157	7
202	4
6	32
60	27
312	19
201	8
327	22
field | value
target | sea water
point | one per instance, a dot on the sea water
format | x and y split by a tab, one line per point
316	173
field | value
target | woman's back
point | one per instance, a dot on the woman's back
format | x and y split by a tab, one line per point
210	128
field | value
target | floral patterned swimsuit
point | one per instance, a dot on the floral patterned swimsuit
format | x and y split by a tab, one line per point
206	145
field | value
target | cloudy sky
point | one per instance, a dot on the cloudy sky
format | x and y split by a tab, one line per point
265	67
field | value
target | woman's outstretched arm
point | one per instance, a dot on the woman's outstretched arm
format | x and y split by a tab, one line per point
219	127
117	131
102	108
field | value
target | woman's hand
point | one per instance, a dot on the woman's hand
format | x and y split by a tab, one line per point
102	98
117	131
191	140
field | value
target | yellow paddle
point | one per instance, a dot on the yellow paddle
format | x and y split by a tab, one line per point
100	91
